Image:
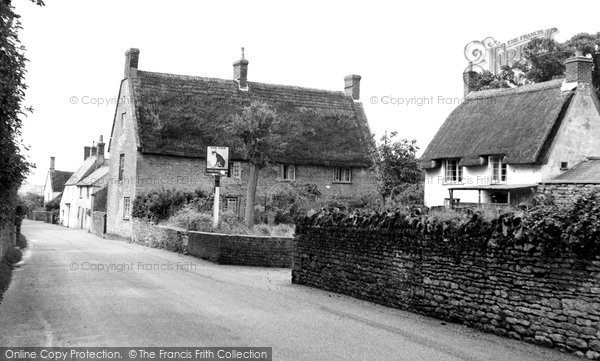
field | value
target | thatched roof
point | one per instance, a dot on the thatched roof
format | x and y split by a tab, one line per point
519	123
586	172
58	178
180	115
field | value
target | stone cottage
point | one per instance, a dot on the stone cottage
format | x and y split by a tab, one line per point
498	145
164	122
55	182
78	200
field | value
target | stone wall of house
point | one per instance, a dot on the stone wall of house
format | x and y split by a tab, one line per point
160	171
123	141
241	249
503	285
565	194
97	223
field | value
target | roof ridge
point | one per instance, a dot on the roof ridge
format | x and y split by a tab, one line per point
528	88
227	81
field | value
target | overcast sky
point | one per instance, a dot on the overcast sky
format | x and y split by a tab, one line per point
401	50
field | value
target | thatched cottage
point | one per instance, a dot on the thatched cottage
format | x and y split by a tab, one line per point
55	182
164	122
498	145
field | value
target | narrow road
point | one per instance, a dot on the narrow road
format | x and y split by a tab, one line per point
60	296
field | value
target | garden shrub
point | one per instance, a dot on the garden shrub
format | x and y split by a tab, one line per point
158	205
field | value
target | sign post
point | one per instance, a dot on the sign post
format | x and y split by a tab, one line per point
217	163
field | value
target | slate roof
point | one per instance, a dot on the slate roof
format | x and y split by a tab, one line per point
96	178
89	165
180	115
586	172
519	123
58	178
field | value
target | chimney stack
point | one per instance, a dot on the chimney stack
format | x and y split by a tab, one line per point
86	152
94	149
578	68
52	164
240	72
101	146
132	57
469	78
352	86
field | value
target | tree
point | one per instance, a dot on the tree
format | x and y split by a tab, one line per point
254	128
12	92
395	165
543	60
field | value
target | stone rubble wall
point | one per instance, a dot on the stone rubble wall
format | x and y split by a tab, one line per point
506	287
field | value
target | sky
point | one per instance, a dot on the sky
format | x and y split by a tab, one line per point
408	53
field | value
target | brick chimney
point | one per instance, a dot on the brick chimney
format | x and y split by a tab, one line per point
578	68
469	78
240	72
101	145
132	57
52	164
352	86
86	152
94	149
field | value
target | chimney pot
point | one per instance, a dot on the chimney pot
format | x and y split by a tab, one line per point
52	159
352	86
579	68
86	152
240	72
132	57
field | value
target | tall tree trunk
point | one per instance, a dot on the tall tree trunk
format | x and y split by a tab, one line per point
251	196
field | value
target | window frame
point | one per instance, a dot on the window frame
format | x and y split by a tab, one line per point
499	169
126	208
340	173
235	201
121	167
236	170
453	171
285	170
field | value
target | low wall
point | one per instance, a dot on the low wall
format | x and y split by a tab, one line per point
565	194
494	281
98	225
157	236
241	250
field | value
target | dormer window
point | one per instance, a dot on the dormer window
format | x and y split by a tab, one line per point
499	169
452	171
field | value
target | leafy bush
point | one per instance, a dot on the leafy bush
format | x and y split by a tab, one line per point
54	204
544	226
190	219
582	233
159	205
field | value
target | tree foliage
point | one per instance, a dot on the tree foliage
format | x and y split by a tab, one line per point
254	130
543	60
12	92
396	165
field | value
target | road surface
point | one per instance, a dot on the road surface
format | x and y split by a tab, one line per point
76	289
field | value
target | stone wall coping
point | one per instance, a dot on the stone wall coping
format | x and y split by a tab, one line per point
240	235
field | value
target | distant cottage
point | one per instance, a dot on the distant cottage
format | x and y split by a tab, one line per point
55	182
499	145
163	123
85	191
